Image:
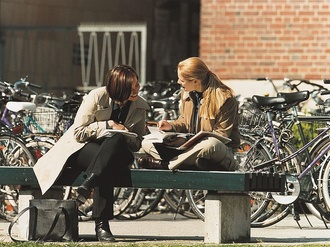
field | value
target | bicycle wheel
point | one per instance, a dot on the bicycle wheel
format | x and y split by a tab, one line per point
325	185
275	213
39	145
123	198
13	152
144	202
275	210
269	211
177	200
317	205
312	183
247	156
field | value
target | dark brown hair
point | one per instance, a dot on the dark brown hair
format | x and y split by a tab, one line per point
118	82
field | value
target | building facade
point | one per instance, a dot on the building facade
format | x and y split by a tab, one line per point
238	39
246	39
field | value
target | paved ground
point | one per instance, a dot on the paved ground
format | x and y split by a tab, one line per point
162	228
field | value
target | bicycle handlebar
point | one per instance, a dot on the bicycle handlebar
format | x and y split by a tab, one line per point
325	92
27	84
14	92
288	81
34	85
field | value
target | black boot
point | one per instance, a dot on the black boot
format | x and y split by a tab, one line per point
103	232
84	190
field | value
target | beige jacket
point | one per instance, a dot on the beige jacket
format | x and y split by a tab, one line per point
225	123
90	121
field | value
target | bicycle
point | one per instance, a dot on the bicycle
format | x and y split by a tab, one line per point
19	117
304	185
22	114
261	146
39	125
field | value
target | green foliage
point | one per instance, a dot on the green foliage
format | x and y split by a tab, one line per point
310	130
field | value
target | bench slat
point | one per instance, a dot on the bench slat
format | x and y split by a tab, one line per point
146	178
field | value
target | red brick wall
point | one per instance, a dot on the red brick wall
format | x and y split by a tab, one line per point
273	38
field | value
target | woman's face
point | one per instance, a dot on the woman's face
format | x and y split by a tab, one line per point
135	91
187	85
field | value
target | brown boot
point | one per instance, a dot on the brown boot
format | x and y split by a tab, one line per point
151	163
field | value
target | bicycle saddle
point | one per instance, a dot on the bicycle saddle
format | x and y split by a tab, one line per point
275	103
294	98
20	106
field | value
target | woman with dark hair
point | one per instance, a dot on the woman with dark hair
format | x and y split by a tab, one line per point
115	106
206	104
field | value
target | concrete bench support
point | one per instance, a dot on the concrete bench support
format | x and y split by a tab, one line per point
24	198
227	218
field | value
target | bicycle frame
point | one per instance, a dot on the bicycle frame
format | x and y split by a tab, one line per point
294	154
29	120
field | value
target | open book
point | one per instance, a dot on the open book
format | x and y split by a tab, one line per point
111	132
158	136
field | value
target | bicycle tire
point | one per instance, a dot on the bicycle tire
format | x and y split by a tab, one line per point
177	200
145	201
318	207
325	185
38	146
266	219
13	152
275	212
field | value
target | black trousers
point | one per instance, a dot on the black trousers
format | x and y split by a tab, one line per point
108	158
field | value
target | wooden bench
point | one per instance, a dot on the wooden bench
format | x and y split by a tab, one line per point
227	205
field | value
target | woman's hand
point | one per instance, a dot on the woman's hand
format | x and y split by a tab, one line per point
116	126
164	125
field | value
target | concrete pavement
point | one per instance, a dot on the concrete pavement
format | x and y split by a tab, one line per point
159	228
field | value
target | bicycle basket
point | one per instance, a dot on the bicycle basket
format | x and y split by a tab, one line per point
46	120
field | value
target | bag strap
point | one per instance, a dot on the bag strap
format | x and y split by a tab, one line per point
14	221
60	210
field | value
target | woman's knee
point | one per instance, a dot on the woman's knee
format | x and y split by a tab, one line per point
211	147
147	146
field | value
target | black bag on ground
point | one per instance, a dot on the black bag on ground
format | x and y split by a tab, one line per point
51	220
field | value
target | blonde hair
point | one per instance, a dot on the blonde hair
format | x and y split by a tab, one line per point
215	92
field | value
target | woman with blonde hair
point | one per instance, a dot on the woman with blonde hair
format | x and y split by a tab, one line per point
206	104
